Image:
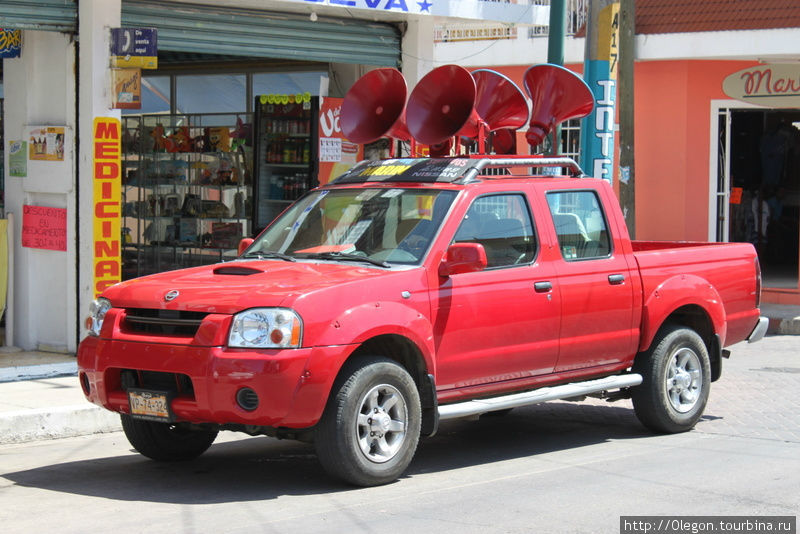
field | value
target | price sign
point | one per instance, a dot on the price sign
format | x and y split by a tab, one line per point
44	228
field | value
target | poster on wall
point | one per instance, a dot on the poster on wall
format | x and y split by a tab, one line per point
134	48
336	153
44	228
18	159
10	43
127	88
46	143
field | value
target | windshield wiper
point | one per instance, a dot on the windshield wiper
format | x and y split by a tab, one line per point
344	257
268	255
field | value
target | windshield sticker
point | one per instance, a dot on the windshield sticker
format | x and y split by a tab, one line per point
410	170
357	231
323	249
296	226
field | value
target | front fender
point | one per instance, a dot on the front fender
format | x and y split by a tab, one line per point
361	323
677	292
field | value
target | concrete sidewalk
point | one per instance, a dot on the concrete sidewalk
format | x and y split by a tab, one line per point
37	400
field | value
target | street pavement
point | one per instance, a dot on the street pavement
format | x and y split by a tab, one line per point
556	467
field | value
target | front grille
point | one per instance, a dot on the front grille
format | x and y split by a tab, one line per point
164	322
177	383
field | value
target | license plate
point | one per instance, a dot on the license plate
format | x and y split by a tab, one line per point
151	405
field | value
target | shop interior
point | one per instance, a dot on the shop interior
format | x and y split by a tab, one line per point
765	189
194	181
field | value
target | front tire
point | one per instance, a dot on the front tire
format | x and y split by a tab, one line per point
166	442
676	382
370	429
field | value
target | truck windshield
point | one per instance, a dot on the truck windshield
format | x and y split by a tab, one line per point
375	225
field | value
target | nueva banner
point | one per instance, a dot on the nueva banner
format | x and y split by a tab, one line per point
107	178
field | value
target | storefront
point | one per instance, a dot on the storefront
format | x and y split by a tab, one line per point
213	63
100	182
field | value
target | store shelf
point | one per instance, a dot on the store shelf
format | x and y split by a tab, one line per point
184	208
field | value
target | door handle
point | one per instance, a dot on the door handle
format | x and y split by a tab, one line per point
543	287
616	279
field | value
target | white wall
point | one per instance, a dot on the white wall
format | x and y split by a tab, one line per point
95	19
39	90
503	52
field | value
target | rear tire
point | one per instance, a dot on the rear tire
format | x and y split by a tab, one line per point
369	431
166	442
676	381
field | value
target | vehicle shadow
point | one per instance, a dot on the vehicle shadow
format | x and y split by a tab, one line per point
264	468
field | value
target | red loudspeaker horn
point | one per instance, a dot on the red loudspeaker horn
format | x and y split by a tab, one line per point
442	105
558	95
374	107
504	141
498	101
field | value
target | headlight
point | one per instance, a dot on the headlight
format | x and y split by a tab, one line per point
97	312
266	328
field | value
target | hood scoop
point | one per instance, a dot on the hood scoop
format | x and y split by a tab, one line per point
237	270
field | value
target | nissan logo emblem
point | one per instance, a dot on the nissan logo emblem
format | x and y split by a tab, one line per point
171	295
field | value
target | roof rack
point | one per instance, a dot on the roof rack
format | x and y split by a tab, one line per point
524	161
458	170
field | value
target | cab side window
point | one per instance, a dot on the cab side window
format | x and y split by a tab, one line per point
580	225
502	224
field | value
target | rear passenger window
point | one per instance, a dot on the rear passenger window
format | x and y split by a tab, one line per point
580	225
502	224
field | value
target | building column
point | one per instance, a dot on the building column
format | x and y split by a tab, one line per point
417	50
95	19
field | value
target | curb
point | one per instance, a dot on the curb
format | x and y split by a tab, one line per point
59	422
31	372
784	327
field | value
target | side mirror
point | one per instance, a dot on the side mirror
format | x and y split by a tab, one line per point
463	258
244	243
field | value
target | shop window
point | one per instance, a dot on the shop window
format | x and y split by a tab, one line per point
580	225
502	224
211	93
290	83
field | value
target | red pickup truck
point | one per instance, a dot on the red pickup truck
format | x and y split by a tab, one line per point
411	291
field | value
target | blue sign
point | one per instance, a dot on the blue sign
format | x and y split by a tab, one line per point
10	43
134	47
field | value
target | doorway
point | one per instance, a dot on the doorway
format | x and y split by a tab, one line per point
758	187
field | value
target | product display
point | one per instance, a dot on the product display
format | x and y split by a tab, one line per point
187	193
286	153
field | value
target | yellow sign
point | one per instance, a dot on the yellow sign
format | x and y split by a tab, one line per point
607	38
106	175
134	62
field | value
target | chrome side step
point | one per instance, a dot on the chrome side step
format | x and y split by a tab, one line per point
515	400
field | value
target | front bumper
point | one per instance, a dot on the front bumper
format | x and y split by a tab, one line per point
292	385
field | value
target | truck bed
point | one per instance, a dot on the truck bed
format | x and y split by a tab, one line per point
726	271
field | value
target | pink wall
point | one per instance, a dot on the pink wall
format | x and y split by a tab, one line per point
673	121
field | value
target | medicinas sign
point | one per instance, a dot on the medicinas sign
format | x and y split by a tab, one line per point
106	175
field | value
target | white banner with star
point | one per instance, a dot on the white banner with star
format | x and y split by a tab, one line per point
521	13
